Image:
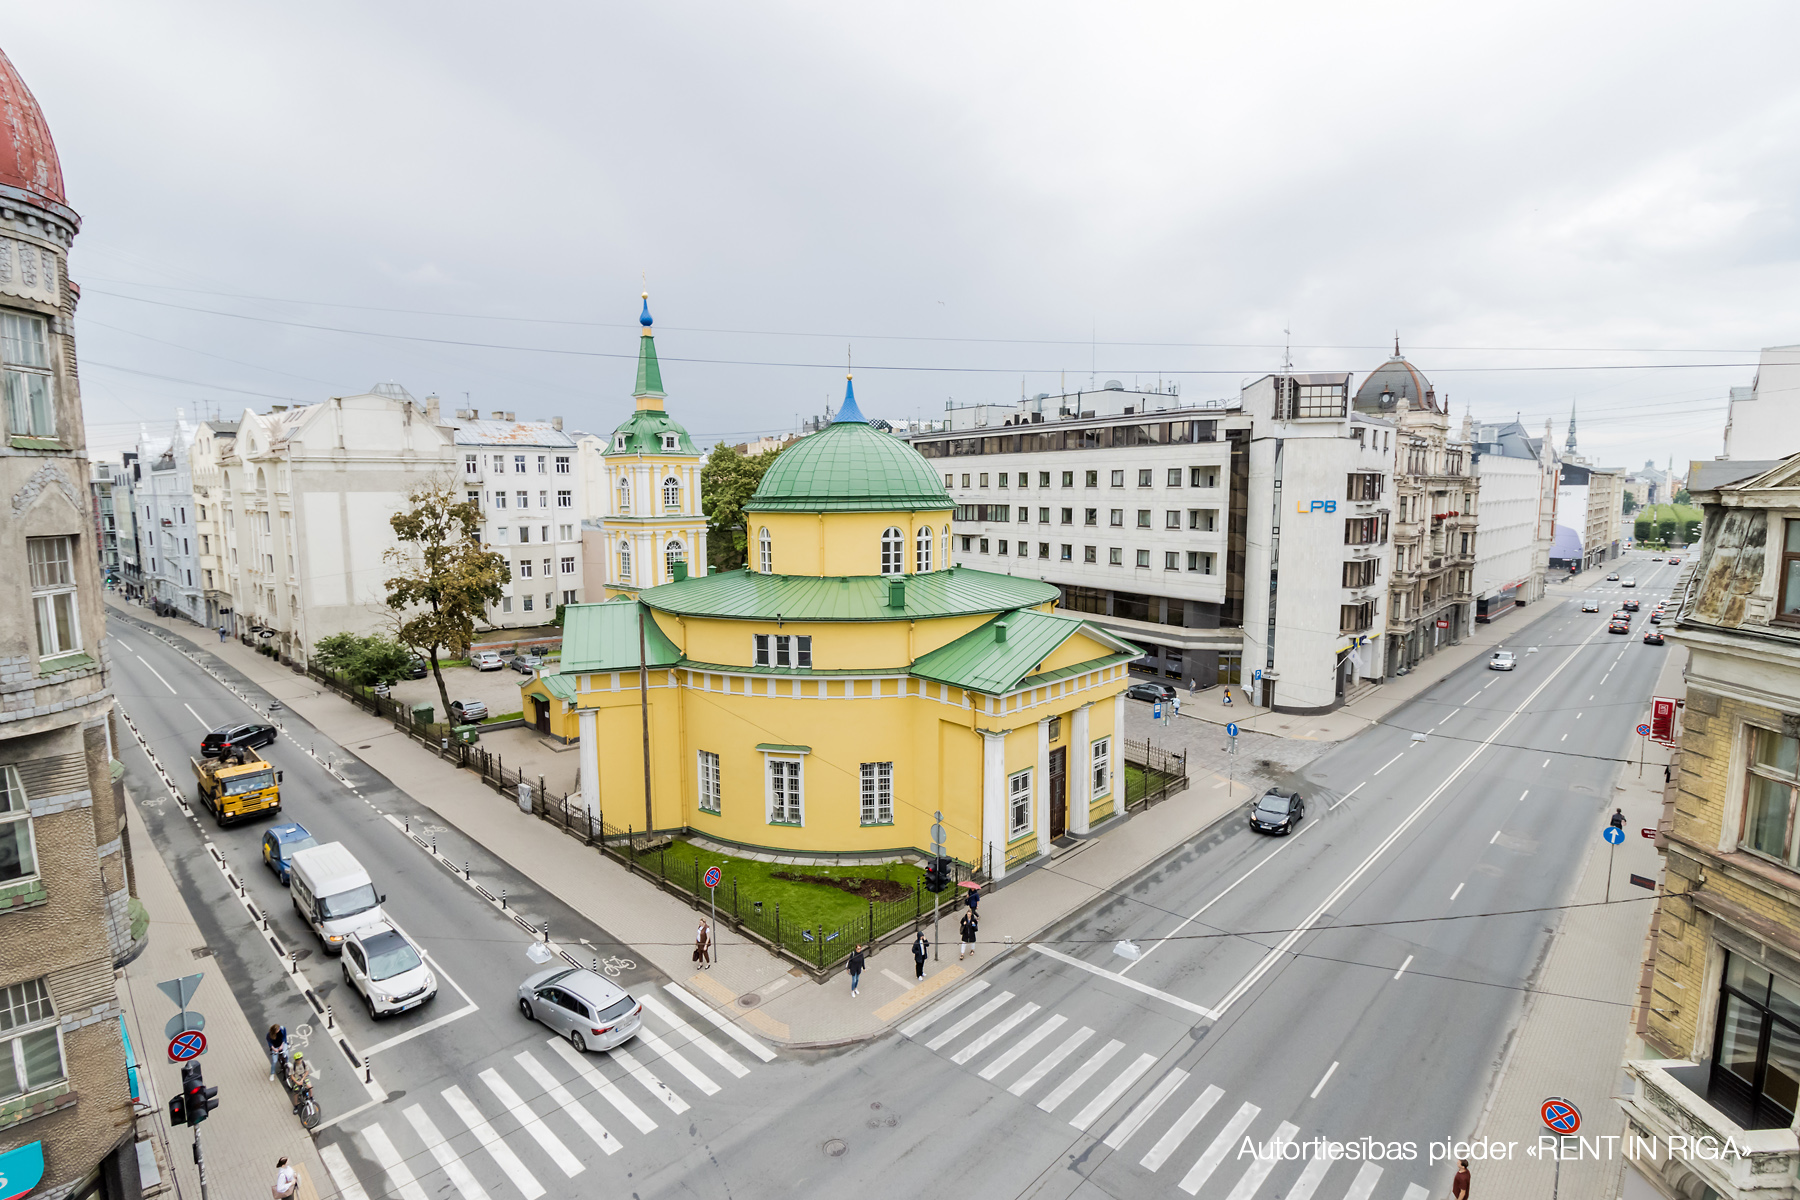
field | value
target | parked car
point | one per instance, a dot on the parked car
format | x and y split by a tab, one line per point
1277	812
1627	583
528	664
467	712
1590	606
279	845
1630	606
1155	693
581	1006
387	970
1613	578
1653	637
418	668
1619	627
227	738
487	660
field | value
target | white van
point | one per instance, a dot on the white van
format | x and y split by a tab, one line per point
333	893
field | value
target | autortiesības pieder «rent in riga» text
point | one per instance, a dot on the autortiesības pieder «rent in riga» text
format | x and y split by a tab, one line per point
1549	1147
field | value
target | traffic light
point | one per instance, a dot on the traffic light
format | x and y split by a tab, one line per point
178	1109
937	874
198	1099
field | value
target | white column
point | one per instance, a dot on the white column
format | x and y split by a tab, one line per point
1116	760
1080	771
590	759
1040	786
993	800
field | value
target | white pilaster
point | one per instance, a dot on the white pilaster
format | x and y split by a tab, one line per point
1117	757
1040	786
993	800
1080	771
590	759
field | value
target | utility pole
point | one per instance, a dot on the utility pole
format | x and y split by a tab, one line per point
200	1163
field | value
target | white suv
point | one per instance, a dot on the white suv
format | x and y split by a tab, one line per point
387	969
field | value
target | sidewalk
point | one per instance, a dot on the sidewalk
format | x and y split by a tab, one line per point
253	1125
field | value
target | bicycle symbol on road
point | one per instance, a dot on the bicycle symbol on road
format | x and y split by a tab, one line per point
613	964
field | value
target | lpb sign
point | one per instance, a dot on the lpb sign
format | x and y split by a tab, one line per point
1662	719
1324	506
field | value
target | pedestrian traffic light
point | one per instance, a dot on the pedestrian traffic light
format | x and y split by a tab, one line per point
199	1100
178	1109
937	874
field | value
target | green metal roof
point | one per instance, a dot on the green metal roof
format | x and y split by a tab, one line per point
558	685
604	637
649	372
850	466
745	595
643	432
981	662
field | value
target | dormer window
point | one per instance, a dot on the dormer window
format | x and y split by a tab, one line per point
619	442
670	442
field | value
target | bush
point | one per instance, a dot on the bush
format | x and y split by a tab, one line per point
365	661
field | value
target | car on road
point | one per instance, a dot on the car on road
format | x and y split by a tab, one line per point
468	712
1503	660
1653	637
1620	614
245	734
1277	812
1674	562
1656	560
581	1006
528	664
417	668
1627	583
1656	617
1590	606
1613	578
1154	693
1619	627
279	845
488	660
387	970
1630	606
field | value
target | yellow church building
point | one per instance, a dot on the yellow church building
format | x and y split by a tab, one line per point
848	684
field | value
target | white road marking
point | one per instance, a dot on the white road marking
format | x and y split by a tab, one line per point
448	1159
948	1006
1048	1063
1495	838
962	1026
338	1167
1109	1095
1415	1192
1081	1075
1197	1009
1390	762
1473	699
693	1037
1264	1162
908	984
1403	966
1184	1125
1202	1170
652	1084
533	1124
1323	1080
541	1076
1309	1179
678	1060
158	675
1017	1051
1546	763
1345	796
993	1035
1565	737
1578	715
1446	718
1146	1108
1522	796
1364	1183
490	1141
204	723
724	1026
1459	888
1195	915
604	1086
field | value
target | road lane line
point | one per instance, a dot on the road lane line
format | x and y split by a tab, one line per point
719	1022
1177	1133
1048	1063
1458	891
652	1084
204	723
578	1113
1403	966
1522	796
1109	1095
993	1035
1146	1108
1202	1170
338	1167
400	1176
678	1060
1565	737
158	675
1390	762
448	1159
1017	1051
1578	715
1323	1080
1310	1178
533	1124
694	1037
945	1009
962	1026
1198	1010
1495	838
908	984
1474	698
1264	1162
1364	1184
1345	796
1081	1075
490	1141
604	1086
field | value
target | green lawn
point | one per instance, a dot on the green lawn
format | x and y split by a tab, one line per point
803	905
1679	513
1138	781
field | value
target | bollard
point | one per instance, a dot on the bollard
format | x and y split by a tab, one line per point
502	897
408	825
596	964
465	869
434	844
368	1069
293	963
328	1016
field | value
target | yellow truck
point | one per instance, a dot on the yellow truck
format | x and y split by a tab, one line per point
238	785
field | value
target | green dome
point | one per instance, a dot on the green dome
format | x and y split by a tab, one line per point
850	466
643	433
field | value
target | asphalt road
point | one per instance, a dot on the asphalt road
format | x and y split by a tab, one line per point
1341	983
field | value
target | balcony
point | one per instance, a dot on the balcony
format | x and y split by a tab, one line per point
1663	1104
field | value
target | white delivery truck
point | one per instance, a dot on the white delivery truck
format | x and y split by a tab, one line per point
333	893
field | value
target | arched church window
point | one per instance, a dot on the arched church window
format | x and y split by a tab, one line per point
766	551
673	553
672	494
924	550
624	495
893	551
625	562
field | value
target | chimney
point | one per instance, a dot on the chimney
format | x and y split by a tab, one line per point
896	593
431	408
1000	632
556	424
680	572
498	416
512	416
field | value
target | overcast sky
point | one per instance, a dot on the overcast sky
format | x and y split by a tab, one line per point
971	199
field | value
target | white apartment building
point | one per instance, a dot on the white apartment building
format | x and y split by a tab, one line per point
213	441
526	477
164	495
1512	551
1763	421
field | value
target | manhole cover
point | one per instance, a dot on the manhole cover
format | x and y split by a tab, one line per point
876	1104
835	1148
749	1000
201	952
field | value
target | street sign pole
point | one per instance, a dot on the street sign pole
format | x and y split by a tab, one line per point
1613	835
937	852
200	1162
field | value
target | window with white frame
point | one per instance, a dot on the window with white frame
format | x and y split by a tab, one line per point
524	534
18	851
568	564
543	464
670	442
30	1043
568	597
673	553
761	646
53	596
499	499
671	494
923	554
625	562
562	464
1018	799
624	495
1102	766
565	498
518	464
765	551
878	793
782	650
565	533
544	499
1771	787
893	551
709	782
471	464
619	442
786	805
522	569
499	464
524	499
30	411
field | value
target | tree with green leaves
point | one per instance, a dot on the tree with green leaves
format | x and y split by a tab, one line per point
1630	504
447	581
1682	497
727	482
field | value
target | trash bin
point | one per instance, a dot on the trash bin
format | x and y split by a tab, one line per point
467	735
422	714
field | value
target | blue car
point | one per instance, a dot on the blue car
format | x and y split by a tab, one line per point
281	843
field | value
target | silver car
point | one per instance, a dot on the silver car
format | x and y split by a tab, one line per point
1503	660
581	1006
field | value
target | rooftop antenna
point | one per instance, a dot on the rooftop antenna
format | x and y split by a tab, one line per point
1287	351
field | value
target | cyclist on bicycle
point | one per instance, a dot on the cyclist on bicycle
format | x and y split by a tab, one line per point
299	1072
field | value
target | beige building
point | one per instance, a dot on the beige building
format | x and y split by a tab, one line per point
64	875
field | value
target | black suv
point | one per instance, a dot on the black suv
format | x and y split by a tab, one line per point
227	738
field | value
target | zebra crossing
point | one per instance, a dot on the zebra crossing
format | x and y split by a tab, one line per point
556	1101
1086	1082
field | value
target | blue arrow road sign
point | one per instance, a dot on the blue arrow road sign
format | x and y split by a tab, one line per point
1231	730
1613	834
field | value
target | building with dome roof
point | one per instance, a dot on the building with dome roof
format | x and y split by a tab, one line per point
849	683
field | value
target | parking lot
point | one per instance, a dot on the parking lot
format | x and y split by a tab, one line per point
499	690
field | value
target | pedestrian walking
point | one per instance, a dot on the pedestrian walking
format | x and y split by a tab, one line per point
277	1048
1225	697
967	929
287	1182
920	946
1459	1186
703	946
974	898
1618	819
855	966
221	633
1178	704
